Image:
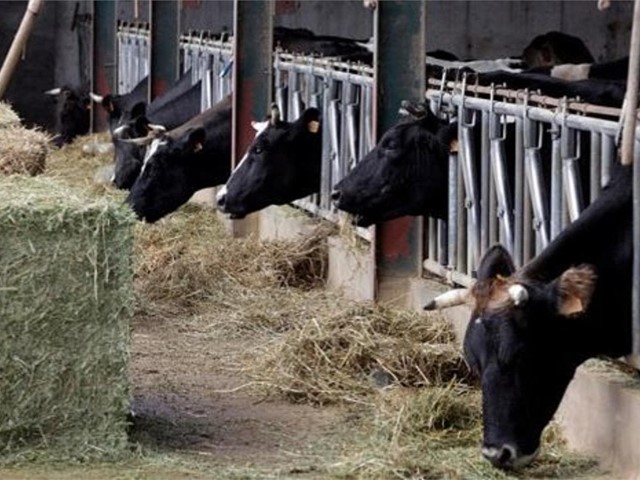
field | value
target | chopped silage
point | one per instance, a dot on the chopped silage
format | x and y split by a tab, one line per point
65	307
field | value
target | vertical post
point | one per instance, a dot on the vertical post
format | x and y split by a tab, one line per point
399	31
252	80
252	67
104	55
628	149
165	21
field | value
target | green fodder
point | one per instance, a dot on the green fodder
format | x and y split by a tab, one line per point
344	355
66	293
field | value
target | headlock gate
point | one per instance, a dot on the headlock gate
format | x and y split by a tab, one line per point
133	55
521	173
210	58
343	92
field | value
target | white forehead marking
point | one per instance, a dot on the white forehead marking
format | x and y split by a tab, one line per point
151	151
259	127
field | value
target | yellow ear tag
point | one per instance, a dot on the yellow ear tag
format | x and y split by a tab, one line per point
453	146
313	126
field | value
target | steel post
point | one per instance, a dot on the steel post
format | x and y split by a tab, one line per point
104	55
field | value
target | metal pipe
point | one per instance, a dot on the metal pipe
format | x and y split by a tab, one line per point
518	240
556	182
485	175
452	214
535	113
630	113
608	150
596	169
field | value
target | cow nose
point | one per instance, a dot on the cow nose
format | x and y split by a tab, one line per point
335	195
500	457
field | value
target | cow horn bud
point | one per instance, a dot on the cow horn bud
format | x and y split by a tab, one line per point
451	298
518	294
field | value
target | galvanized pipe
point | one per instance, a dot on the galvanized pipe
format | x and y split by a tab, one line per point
556	182
452	213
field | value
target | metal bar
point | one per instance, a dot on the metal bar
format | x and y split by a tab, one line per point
539	114
596	168
485	169
608	150
556	182
452	214
252	66
519	207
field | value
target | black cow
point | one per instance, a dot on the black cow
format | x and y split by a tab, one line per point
73	113
182	161
530	329
405	174
615	70
303	41
169	111
407	171
555	48
595	91
118	106
282	164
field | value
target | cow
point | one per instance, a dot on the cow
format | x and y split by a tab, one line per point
531	328
180	162
615	70
407	171
596	91
282	164
73	113
169	111
118	106
555	48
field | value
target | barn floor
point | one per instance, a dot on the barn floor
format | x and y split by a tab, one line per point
196	418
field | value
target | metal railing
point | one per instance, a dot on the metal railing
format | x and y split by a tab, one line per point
343	92
210	60
533	172
133	55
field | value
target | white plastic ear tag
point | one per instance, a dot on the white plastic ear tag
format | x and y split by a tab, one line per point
313	126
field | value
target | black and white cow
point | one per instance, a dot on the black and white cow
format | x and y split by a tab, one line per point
282	164
118	106
555	48
531	328
180	162
73	112
169	110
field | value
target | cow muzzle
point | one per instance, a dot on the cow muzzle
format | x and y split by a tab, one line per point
507	456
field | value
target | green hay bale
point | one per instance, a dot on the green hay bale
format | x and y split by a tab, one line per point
66	298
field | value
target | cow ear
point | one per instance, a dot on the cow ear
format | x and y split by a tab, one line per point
311	120
448	135
575	289
139	109
141	126
195	139
496	262
107	103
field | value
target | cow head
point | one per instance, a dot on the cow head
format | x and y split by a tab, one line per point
73	111
282	164
519	341
167	177
117	112
555	48
128	154
405	174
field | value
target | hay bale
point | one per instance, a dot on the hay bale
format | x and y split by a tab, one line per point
22	150
346	355
8	118
66	286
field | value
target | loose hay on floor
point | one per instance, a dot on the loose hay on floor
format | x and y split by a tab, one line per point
66	294
8	117
346	355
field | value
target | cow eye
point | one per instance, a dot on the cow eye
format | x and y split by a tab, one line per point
258	149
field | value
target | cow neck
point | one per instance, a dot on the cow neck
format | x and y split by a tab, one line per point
587	238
